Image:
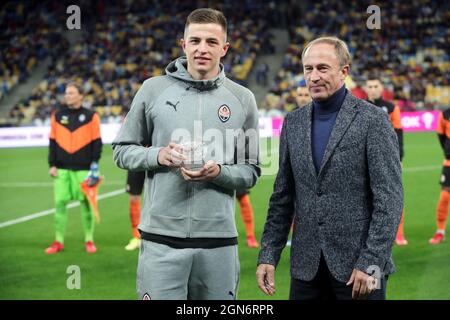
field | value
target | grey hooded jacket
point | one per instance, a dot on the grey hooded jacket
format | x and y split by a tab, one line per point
176	108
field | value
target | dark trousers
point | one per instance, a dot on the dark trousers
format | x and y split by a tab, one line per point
325	287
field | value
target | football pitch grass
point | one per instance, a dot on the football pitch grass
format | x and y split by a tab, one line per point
423	271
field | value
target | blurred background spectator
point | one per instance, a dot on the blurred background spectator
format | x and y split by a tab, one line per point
122	43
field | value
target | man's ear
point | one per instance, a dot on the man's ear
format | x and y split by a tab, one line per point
345	70
225	49
183	45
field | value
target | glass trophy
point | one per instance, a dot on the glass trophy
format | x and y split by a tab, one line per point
194	151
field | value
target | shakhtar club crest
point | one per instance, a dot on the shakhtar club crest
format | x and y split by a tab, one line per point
224	113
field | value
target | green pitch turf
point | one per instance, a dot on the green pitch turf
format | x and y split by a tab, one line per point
27	273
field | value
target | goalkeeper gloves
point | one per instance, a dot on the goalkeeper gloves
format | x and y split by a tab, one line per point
93	175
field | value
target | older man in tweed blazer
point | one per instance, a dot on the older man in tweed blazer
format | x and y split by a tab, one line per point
339	180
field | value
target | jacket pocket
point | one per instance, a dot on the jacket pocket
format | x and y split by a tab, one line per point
346	147
168	196
212	225
351	142
212	202
168	223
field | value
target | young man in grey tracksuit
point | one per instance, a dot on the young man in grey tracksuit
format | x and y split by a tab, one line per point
189	247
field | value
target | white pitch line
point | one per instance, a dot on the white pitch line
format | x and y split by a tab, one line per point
118	183
25	184
50	211
120	191
30	184
405	170
424	168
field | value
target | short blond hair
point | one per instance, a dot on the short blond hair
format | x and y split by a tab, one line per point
340	48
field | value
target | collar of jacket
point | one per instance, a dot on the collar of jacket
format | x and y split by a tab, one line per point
65	108
177	69
376	102
332	104
346	114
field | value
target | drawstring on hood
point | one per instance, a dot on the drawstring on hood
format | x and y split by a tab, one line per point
178	70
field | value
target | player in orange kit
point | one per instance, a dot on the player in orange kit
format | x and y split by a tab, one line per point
135	184
247	217
374	89
443	131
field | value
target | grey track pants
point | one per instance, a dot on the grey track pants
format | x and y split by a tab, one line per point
194	274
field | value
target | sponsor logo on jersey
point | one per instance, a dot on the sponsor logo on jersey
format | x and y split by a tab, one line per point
64	119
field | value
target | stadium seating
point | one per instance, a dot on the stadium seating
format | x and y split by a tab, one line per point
410	51
127	42
26	39
130	42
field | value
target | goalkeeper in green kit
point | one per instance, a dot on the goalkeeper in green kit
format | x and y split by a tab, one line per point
74	152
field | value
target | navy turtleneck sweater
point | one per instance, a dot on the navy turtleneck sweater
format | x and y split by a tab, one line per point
323	118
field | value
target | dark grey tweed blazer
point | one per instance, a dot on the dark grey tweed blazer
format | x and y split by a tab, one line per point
351	209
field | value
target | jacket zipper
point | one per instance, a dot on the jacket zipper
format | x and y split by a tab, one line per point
191	189
189	209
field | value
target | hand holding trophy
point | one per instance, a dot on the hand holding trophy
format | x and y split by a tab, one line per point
193	153
194	167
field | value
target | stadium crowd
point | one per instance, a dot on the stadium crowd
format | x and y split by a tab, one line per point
125	42
411	50
27	39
